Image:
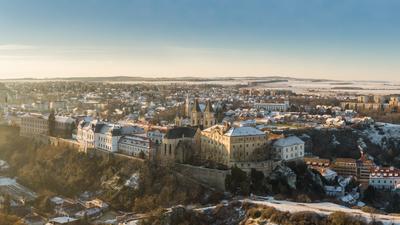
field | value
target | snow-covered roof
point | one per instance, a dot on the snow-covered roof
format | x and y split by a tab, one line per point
64	119
289	141
63	219
243	131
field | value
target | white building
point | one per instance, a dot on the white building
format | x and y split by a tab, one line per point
270	106
290	148
134	145
103	136
86	133
108	137
56	105
156	135
334	191
384	178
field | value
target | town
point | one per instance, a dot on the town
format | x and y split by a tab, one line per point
348	142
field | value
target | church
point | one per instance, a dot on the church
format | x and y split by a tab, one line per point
195	116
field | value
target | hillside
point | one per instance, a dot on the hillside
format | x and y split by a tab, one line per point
51	170
381	141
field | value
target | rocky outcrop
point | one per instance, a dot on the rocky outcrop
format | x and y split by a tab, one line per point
284	172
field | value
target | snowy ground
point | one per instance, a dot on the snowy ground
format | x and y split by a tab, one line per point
133	181
377	135
325	208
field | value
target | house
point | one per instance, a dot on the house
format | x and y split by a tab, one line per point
96	203
86	133
384	178
316	163
33	219
93	212
289	148
69	208
63	220
56	201
135	145
345	167
107	137
334	191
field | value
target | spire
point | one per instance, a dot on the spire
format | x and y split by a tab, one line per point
187	98
208	107
196	107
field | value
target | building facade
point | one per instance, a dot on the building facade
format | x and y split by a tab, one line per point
33	124
384	178
272	106
230	146
179	145
289	148
108	137
196	117
345	167
135	145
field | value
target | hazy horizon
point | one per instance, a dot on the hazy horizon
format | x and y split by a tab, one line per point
318	39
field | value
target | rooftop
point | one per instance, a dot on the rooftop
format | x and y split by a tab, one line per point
288	141
243	131
180	132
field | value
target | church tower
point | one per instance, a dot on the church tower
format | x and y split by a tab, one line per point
209	117
188	107
195	117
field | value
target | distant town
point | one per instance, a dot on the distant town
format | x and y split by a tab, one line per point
252	141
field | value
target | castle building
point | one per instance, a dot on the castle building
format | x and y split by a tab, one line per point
34	124
231	146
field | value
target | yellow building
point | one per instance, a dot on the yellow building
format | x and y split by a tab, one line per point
232	146
33	124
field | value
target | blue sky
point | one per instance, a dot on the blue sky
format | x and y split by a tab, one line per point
341	39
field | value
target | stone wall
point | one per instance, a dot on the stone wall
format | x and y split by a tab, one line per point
210	177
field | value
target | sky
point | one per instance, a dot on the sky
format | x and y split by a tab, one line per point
341	39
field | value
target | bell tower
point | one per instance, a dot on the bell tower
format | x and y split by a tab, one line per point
195	117
209	117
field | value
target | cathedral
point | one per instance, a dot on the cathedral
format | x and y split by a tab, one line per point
195	116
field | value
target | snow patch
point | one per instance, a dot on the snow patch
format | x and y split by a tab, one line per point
133	181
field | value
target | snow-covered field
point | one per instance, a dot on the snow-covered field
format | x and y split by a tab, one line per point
323	87
324	208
